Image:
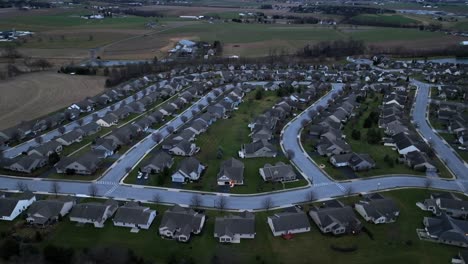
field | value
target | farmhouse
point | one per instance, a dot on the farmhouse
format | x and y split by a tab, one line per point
134	216
93	212
179	223
291	220
11	207
378	209
233	228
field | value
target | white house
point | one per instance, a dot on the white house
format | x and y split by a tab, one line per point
11	207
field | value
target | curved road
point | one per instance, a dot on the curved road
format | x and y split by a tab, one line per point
322	187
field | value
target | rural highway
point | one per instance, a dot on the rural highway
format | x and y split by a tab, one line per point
322	186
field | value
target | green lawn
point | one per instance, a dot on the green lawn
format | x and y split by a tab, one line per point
451	138
229	135
393	243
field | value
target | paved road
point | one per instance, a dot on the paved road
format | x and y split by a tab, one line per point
17	150
322	187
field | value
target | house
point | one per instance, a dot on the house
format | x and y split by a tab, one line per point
121	113
291	220
93	212
447	203
446	230
89	129
186	134
11	207
46	212
377	209
280	172
198	126
207	118
189	169
325	147
404	144
231	172
85	164
217	111
103	147
123	135
134	216
419	161
356	161
180	223
258	149
26	164
69	138
108	120
261	132
184	148
157	163
335	218
46	149
233	228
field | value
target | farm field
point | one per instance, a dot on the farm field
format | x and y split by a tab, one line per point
389	19
33	95
400	238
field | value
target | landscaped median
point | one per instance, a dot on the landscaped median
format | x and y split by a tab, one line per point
226	136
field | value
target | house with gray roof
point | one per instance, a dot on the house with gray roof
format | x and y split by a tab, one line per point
258	149
11	207
89	129
335	218
231	172
93	212
103	147
180	223
279	172
108	120
446	230
446	203
185	134
419	161
46	149
157	163
69	138
356	161
198	126
184	148
85	164
291	220
190	169
233	228
45	212
134	216
378	209
26	164
325	147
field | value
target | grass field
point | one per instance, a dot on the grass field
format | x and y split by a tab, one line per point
229	135
398	238
33	95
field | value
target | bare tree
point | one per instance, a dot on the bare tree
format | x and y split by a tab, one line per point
312	114
427	183
184	118
304	122
135	97
39	140
209	100
222	202
95	116
157	198
216	93
55	188
310	196
112	107
195	201
61	130
170	129
200	107
267	203
290	154
22	186
93	190
157	137
80	122
334	96
320	108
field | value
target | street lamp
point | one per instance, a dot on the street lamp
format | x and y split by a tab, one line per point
378	186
